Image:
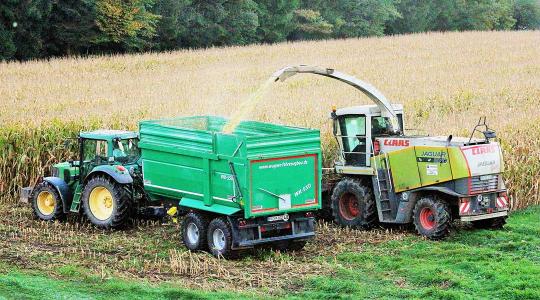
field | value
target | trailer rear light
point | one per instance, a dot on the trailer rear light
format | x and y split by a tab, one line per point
309	214
376	147
263	229
242	223
464	206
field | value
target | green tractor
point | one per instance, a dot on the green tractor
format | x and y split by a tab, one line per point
383	175
100	182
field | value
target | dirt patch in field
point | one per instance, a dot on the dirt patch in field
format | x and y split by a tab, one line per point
153	251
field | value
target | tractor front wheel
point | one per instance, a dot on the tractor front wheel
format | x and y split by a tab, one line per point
432	218
353	204
194	229
105	203
46	202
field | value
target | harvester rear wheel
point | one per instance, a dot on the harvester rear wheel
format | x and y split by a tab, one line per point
353	204
46	202
105	203
432	218
219	238
194	231
493	223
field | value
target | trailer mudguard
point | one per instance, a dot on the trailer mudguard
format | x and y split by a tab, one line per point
119	176
214	208
63	189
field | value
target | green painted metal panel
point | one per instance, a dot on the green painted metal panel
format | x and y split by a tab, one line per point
404	169
433	164
458	163
191	158
284	184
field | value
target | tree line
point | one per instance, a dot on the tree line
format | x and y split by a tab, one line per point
32	29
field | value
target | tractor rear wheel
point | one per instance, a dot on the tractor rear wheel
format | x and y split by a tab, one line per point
353	204
46	202
493	223
194	230
105	203
432	218
219	238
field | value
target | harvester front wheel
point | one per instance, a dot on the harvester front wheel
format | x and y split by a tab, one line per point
47	203
105	203
493	223
353	204
219	238
194	230
432	218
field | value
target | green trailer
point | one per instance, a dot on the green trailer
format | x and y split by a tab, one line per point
258	185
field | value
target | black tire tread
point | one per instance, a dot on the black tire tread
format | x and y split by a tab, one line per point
443	217
223	224
202	222
123	203
368	216
59	209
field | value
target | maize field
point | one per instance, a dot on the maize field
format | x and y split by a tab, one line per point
446	81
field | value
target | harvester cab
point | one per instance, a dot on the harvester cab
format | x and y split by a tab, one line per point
383	175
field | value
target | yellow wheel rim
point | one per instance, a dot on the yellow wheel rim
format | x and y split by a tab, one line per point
101	203
46	203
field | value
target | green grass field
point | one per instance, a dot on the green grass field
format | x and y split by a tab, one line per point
472	264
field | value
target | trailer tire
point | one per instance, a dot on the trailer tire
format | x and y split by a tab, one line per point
194	230
432	218
105	203
493	223
219	237
353	204
46	202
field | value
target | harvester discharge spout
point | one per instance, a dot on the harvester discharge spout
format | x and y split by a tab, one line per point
375	95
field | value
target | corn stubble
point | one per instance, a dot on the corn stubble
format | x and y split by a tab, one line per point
445	80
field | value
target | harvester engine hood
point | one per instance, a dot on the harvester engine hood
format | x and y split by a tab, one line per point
375	95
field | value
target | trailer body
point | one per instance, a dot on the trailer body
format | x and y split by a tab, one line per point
263	176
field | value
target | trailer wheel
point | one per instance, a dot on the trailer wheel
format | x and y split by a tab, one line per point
431	217
353	204
194	229
219	238
46	202
105	203
493	223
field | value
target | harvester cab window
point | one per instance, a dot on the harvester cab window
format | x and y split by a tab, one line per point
353	132
380	126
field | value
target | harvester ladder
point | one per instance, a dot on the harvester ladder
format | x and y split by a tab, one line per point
383	183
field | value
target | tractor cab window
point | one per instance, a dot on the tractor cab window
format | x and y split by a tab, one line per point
126	151
95	150
353	133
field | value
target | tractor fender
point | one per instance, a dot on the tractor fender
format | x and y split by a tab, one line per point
63	189
122	177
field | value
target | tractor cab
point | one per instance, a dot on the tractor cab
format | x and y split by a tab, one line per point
356	128
107	147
